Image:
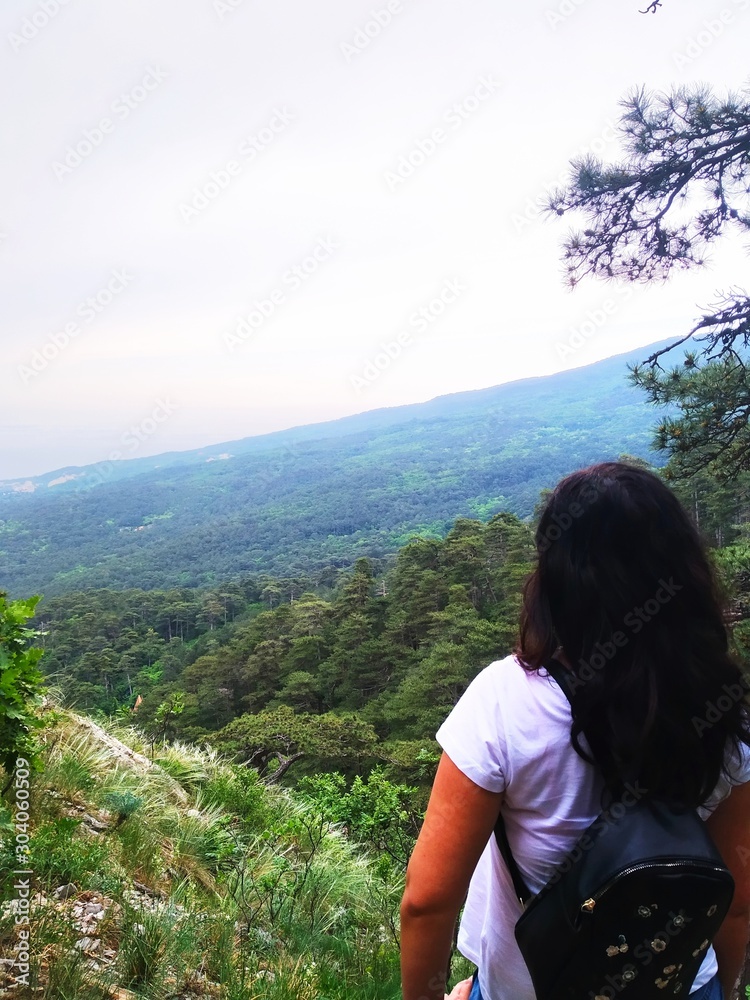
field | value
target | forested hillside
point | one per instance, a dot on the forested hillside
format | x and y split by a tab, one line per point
302	501
165	868
154	858
397	651
394	643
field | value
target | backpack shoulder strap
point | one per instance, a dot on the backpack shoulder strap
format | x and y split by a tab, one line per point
555	669
501	838
562	677
558	672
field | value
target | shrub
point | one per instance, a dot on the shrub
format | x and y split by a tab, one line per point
58	854
20	684
239	790
144	949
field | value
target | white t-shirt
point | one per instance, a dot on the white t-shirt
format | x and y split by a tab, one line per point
510	732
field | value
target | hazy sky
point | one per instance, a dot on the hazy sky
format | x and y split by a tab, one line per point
225	217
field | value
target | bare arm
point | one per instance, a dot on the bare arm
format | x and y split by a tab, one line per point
729	825
458	823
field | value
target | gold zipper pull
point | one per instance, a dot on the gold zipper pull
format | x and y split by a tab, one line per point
588	905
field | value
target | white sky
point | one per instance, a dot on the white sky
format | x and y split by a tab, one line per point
185	86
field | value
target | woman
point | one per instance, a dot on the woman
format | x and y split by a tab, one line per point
622	595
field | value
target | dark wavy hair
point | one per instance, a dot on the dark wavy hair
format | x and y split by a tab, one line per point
624	584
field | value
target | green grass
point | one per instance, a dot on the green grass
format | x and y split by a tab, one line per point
247	884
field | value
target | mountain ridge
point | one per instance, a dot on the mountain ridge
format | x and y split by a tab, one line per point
312	500
120	469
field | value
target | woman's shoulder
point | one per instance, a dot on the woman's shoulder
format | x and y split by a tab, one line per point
513	694
509	675
510	670
508	718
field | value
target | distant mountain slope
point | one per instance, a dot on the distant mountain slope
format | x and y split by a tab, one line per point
323	494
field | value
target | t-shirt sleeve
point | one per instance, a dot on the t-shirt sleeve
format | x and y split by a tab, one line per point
738	768
738	765
473	734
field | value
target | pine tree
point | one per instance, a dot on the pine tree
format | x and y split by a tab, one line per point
682	186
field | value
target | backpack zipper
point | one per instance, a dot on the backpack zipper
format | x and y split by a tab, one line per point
587	906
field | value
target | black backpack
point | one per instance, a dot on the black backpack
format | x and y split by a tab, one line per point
631	911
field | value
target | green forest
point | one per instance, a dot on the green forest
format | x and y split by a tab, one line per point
249	763
394	641
315	499
220	683
396	650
